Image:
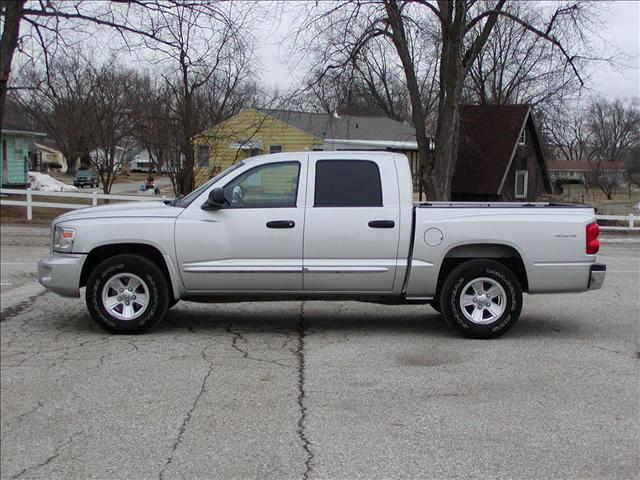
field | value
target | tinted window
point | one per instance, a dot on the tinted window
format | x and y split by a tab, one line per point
273	185
347	183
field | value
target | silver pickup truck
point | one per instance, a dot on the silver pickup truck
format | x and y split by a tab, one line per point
320	225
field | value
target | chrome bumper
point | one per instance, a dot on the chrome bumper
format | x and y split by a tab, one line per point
596	279
60	273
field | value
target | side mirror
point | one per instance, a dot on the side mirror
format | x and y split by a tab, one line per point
215	200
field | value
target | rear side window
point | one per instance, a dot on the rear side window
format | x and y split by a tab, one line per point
347	183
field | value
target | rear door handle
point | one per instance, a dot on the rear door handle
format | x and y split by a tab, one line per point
281	224
382	224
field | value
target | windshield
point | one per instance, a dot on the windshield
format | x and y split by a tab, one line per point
186	200
83	172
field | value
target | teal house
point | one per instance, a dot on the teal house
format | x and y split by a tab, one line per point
15	154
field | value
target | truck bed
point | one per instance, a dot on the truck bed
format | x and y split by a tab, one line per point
497	205
547	239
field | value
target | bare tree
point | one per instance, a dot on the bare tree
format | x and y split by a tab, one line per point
110	123
632	167
615	128
373	84
38	27
568	132
11	13
157	117
57	100
615	132
86	109
518	66
199	46
463	27
155	126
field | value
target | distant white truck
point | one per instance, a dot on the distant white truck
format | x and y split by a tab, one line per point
321	225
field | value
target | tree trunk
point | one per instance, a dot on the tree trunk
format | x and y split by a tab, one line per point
417	109
12	12
438	182
186	171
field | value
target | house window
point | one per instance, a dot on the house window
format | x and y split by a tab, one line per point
522	177
275	148
523	137
203	155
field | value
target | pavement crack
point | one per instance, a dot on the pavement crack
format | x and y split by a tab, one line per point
234	341
302	418
18	308
238	337
187	418
56	453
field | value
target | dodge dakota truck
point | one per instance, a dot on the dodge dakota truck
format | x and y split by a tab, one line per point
320	225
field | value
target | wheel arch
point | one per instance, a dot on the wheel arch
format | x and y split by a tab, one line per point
151	252
507	255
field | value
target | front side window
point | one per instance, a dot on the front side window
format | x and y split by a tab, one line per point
521	183
274	185
347	183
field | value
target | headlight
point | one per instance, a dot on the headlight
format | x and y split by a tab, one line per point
63	239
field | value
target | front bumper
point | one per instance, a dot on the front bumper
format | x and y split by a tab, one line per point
596	278
60	273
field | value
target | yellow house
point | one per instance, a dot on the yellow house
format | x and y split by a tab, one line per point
261	131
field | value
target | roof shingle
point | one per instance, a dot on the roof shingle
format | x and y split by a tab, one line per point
347	127
488	135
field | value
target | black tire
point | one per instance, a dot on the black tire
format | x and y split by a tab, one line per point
172	303
435	304
459	281
154	281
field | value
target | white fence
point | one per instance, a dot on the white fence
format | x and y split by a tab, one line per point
95	196
629	219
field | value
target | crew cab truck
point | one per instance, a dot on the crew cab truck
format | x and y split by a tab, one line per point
320	225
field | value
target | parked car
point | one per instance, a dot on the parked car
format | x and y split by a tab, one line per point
321	225
86	178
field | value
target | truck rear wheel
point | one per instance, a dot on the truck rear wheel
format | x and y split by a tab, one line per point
435	304
127	294
481	299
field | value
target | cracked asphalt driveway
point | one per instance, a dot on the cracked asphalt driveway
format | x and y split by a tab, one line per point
325	390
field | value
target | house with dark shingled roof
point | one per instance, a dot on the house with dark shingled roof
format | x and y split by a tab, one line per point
500	157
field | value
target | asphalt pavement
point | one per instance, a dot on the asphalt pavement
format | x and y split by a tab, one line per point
318	390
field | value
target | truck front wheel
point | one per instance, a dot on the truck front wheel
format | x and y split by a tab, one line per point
481	299
127	294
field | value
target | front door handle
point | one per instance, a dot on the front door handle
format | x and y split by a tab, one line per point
281	224
382	224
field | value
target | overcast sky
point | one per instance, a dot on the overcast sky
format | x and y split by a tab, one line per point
620	30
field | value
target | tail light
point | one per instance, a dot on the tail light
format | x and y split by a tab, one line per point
593	244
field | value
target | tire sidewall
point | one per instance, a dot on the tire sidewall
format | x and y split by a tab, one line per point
156	284
465	273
